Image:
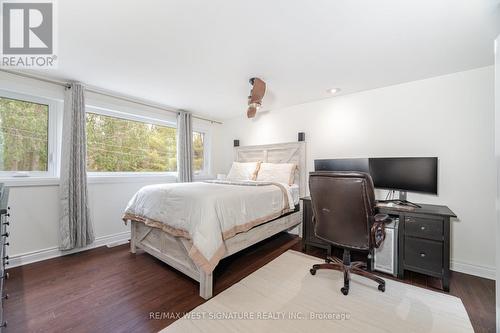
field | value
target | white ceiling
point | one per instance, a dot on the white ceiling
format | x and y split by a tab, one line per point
199	55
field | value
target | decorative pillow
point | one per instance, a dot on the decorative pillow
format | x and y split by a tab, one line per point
243	171
277	172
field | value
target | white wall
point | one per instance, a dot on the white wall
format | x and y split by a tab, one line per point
497	155
35	217
451	117
35	207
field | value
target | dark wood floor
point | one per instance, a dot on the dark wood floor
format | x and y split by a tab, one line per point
111	290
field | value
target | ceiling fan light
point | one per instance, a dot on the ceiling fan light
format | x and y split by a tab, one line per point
255	105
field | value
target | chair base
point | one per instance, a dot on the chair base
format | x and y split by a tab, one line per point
348	268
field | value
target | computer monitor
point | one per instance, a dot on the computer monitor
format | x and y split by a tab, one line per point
342	164
412	174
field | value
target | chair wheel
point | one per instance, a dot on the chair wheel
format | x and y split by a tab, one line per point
344	290
381	287
312	271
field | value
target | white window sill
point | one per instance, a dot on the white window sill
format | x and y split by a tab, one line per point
202	177
98	179
138	178
30	181
109	178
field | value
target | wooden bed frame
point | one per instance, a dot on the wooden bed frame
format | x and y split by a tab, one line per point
174	250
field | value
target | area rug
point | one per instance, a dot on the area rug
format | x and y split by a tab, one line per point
283	297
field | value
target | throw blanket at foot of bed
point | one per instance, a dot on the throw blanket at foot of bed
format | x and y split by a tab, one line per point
208	213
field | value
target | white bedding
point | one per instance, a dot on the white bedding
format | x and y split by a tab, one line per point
207	213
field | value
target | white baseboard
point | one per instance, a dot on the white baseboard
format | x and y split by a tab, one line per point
53	252
487	272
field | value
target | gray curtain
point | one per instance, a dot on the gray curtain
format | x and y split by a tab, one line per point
75	224
184	146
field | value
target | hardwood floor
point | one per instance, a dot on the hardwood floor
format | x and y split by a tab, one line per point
111	290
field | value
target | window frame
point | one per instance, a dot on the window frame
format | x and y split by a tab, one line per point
53	140
205	172
52	175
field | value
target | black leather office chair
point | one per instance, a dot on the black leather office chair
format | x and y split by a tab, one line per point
344	214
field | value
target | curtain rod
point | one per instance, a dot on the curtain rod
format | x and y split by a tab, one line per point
102	92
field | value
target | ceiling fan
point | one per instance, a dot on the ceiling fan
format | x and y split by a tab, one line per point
256	96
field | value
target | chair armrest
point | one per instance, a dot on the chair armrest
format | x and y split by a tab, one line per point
377	232
382	218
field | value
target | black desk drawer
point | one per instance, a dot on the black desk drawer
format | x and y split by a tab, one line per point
424	255
424	227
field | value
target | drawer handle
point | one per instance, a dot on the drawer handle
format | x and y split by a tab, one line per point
6	296
422	255
6	234
422	228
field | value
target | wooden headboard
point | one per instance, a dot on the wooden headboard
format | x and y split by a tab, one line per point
292	152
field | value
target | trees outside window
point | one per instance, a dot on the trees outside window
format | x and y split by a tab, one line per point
28	141
198	151
24	134
123	145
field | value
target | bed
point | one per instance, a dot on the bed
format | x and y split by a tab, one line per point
186	250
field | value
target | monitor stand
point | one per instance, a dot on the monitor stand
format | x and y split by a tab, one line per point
402	201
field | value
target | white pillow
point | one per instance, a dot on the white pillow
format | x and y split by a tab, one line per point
243	171
277	172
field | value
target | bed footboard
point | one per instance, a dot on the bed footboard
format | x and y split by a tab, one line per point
169	249
174	250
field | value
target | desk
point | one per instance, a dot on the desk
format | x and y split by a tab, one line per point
423	238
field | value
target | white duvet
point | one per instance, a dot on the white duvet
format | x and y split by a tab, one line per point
207	213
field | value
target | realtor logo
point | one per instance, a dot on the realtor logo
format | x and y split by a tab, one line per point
28	34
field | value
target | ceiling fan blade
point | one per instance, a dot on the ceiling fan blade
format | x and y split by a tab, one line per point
256	95
251	111
258	91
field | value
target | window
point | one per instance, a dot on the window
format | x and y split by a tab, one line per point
123	145
117	142
198	152
27	134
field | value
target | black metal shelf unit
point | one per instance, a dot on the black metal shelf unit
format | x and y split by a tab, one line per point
4	242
